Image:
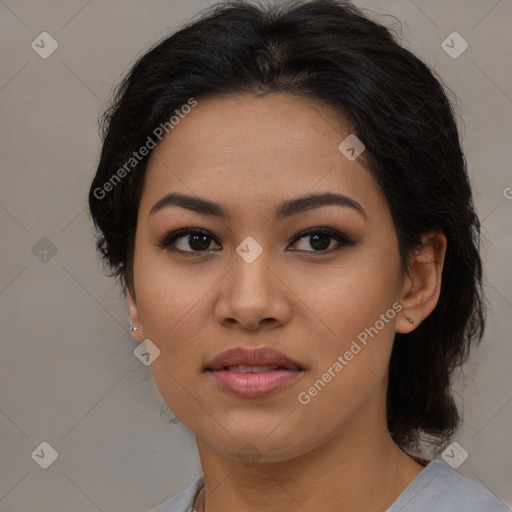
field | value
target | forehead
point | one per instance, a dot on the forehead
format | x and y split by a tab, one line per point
257	149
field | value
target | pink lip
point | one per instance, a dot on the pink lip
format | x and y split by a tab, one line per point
263	356
253	384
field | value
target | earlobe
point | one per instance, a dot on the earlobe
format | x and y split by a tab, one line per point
422	286
136	327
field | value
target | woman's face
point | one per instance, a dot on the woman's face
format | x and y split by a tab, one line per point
312	297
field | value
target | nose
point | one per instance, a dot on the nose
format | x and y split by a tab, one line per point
253	295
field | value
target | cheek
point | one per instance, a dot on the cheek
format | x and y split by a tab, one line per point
175	308
351	312
344	300
350	361
171	308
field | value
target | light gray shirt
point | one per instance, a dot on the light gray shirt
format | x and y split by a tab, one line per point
438	488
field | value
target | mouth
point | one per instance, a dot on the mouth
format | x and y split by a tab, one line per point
252	373
244	368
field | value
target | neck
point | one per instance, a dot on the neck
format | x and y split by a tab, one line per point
360	468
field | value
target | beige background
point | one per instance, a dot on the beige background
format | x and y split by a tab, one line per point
68	375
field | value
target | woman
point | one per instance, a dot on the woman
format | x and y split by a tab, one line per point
283	197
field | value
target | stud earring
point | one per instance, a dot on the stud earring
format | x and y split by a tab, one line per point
134	328
411	320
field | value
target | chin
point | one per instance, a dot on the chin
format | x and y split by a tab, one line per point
251	447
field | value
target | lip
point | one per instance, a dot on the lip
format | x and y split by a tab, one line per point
263	356
253	384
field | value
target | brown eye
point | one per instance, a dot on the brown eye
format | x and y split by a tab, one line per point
316	240
190	240
320	240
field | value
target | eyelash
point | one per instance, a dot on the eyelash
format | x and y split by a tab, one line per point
342	240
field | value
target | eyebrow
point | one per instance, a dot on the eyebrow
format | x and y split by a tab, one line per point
285	209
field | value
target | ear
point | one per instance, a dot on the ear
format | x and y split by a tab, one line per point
422	287
133	312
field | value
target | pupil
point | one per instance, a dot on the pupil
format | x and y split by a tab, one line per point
323	244
197	237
